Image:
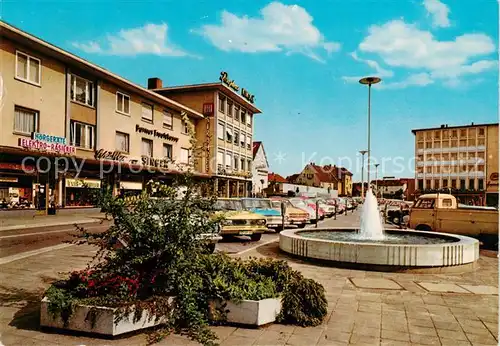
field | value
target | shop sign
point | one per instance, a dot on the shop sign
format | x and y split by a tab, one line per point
81	183
48	138
8	180
494	178
158	163
102	154
208	109
231	83
16	166
130	185
51	144
162	135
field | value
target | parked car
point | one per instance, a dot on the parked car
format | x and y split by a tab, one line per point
293	216
264	207
329	210
237	221
321	211
299	203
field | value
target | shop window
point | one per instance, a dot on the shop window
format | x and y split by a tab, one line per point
25	120
236	137
147	147
480	184
122	142
122	103
222	104
220	130
167	151
82	135
229	108
82	90
147	112
168	120
28	68
184	155
185	127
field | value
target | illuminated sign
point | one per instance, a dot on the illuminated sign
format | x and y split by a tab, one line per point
155	133
48	138
159	163
34	144
230	83
102	154
82	183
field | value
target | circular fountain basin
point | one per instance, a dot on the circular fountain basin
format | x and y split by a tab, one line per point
399	248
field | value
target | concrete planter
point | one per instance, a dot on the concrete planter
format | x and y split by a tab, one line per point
252	312
104	322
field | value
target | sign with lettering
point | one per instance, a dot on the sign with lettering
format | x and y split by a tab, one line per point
159	163
230	83
154	133
8	180
48	138
82	183
35	144
208	109
494	176
102	154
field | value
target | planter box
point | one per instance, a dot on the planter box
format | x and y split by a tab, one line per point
252	312
104	320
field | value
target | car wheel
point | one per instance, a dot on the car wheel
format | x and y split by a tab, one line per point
302	225
256	237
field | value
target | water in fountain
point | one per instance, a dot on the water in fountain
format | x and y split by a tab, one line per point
371	223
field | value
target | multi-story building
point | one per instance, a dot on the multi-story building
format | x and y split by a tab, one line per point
67	125
462	160
260	170
327	176
226	133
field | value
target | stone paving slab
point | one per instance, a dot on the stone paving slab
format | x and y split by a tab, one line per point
481	289
442	287
384	284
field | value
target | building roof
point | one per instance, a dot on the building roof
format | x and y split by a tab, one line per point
325	174
445	126
275	178
292	178
211	86
48	49
255	148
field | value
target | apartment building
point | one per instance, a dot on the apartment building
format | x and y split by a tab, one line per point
67	124
226	133
462	160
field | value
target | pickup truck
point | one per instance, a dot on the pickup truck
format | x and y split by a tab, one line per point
440	212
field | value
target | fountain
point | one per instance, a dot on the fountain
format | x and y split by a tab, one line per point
373	247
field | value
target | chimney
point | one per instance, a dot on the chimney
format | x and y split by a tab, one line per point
154	83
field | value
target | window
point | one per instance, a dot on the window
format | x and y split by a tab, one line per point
437	134
471	184
420	184
236	162
122	142
425	204
28	68
184	155
428	145
122	103
249	165
229	134
25	120
463	142
481	132
428	184
420	146
480	141
242	140
236	137
462	184
236	112
147	147
446	144
82	90
420	136
453	183
249	120
463	133
82	135
472	142
168	120
185	127
147	112
480	183
167	150
229	159
243	116
445	134
242	164
436	184
420	158
454	134
249	142
222	104
447	203
220	130
454	143
229	108
220	158
472	132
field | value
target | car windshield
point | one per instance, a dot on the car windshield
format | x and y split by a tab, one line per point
229	204
253	203
298	203
276	204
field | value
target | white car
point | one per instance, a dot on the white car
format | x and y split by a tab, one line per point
299	203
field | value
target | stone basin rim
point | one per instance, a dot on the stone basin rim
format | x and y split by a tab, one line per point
460	240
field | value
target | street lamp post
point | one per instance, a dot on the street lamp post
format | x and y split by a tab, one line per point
363	152
376	178
369	81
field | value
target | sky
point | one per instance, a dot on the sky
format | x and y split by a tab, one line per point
302	60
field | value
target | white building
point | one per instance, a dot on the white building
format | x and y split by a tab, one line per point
260	169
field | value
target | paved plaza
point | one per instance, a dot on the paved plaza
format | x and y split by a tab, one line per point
365	308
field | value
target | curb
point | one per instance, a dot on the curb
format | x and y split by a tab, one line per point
48	224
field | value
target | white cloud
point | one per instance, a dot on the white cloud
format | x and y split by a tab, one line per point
279	28
439	13
148	39
379	71
416	79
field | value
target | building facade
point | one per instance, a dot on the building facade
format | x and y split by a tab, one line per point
260	170
69	126
462	160
225	135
